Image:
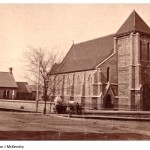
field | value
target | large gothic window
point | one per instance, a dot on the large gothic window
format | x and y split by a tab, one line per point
68	86
58	85
148	55
140	50
78	85
108	74
89	85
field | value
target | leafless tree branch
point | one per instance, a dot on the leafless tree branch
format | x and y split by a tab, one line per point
39	59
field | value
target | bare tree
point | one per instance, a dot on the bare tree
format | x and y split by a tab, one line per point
42	61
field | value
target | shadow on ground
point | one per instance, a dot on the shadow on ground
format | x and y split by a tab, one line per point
53	135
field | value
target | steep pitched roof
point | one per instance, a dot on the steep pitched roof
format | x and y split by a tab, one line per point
86	55
22	87
7	80
134	23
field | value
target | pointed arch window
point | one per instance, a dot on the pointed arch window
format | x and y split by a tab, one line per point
140	50
108	74
89	85
79	85
68	86
58	87
79	80
148	55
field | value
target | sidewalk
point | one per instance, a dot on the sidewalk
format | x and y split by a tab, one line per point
108	117
101	115
104	117
112	115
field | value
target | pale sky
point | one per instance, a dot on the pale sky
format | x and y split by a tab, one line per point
55	26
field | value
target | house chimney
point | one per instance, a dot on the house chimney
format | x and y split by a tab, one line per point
10	70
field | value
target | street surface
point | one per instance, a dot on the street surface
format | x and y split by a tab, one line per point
32	126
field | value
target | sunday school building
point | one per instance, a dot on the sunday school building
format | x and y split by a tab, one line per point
10	89
110	72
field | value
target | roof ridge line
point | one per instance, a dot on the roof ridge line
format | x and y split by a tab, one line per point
95	39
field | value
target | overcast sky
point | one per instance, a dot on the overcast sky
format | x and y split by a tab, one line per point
55	26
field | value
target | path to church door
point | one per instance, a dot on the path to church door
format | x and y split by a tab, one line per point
108	101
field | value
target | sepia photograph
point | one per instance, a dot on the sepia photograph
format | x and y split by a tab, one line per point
74	72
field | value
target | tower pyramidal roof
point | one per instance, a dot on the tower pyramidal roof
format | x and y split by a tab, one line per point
134	23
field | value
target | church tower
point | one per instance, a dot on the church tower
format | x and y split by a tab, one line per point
132	44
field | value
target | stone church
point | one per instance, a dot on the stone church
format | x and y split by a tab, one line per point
107	73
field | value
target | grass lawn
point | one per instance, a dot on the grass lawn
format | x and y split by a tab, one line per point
31	126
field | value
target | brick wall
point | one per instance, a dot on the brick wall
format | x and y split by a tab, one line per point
112	64
113	79
133	71
87	85
83	85
145	73
124	52
127	75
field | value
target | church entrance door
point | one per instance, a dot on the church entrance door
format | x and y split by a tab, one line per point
146	97
108	101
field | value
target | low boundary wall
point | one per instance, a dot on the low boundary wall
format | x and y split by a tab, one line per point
26	105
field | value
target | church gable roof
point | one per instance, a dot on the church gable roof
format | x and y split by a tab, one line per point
86	55
134	23
7	80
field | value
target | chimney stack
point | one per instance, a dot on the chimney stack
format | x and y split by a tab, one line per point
10	70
